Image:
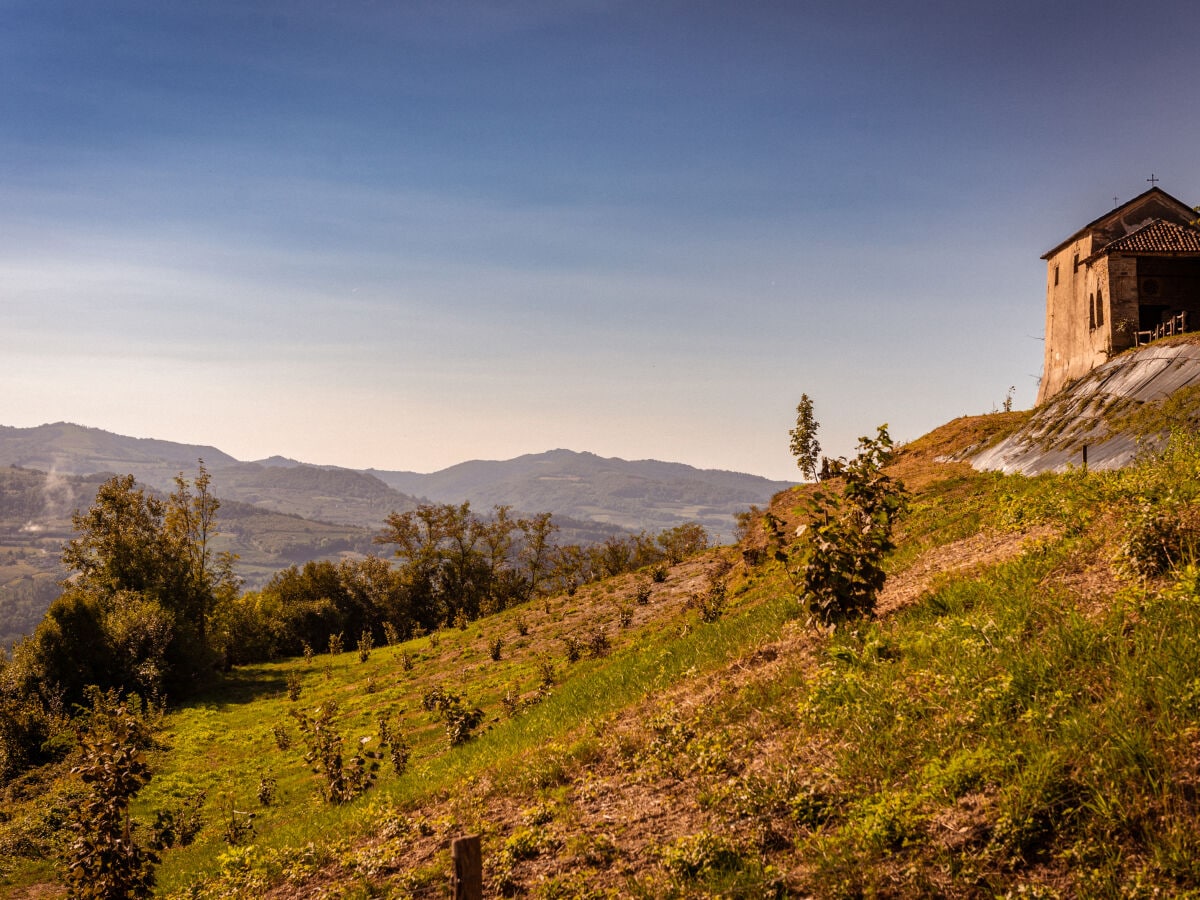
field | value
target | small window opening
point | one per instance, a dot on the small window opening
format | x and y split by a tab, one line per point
1091	312
1056	275
1099	308
1075	263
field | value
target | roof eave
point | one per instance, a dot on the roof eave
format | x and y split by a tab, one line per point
1092	224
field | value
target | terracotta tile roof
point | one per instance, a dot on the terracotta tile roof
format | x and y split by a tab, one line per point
1158	236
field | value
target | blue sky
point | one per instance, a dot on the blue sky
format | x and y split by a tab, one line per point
403	235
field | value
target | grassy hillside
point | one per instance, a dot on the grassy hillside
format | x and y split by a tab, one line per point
1021	719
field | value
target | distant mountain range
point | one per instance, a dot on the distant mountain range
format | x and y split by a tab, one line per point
632	495
278	511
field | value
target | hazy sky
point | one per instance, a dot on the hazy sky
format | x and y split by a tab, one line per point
406	234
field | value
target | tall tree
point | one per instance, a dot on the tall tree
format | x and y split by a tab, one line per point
536	549
805	446
146	576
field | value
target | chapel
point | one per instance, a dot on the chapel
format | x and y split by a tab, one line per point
1127	278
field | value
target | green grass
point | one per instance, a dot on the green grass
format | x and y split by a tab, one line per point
221	743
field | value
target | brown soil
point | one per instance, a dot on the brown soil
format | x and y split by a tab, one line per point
985	548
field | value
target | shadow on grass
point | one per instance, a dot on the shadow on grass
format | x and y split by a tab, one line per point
238	687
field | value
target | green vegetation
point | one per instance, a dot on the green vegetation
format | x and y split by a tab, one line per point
804	444
1020	719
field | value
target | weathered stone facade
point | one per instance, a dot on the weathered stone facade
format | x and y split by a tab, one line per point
1133	268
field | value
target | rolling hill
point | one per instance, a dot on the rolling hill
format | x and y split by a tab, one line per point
630	495
641	494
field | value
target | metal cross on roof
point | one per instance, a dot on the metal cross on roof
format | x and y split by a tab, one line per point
1153	181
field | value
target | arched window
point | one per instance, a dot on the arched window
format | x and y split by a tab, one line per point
1092	312
1099	308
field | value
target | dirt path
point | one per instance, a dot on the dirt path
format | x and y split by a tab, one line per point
987	547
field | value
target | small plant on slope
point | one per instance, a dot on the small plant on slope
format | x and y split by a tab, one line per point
341	781
105	861
850	534
459	717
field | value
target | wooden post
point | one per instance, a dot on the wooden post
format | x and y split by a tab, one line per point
467	881
1085	457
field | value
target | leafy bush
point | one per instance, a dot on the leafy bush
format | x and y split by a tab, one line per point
700	855
574	648
598	643
340	781
266	788
391	740
459	717
850	533
178	826
104	861
1160	536
711	603
237	825
366	643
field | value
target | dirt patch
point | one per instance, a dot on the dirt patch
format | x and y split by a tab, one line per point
985	548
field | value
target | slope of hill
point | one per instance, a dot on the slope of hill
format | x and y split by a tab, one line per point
1020	720
75	450
341	496
641	494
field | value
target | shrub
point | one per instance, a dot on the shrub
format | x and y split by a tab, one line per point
391	740
236	824
340	781
598	643
180	825
266	788
25	727
574	648
624	615
458	716
366	643
336	644
390	634
850	534
711	603
700	855
496	648
293	686
643	592
546	672
1160	537
104	862
522	626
